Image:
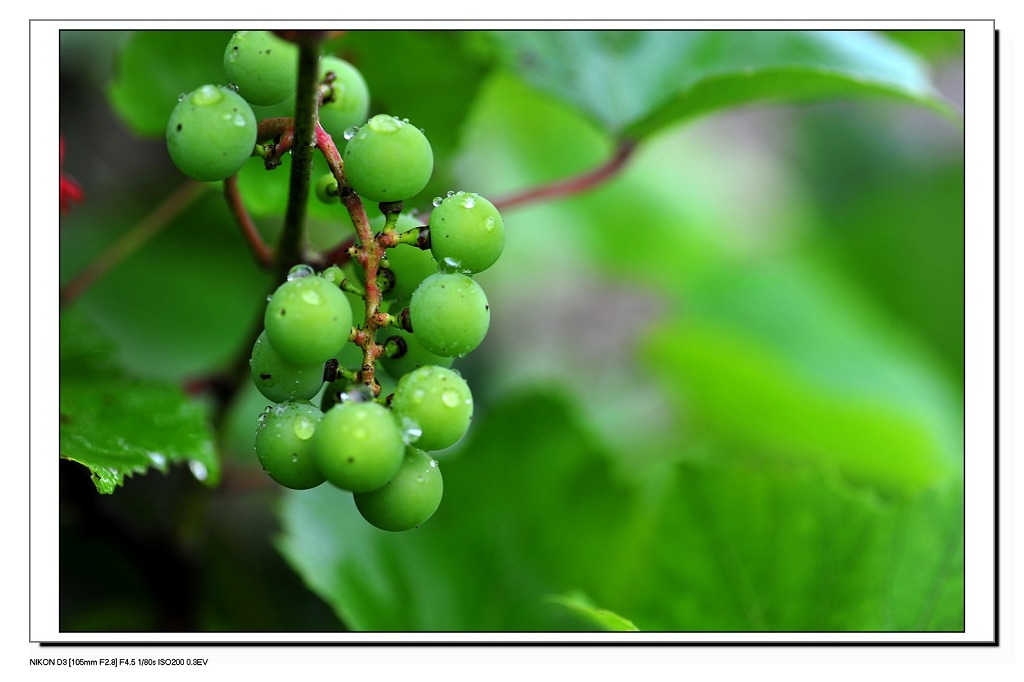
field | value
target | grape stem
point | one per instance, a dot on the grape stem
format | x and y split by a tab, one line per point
263	253
288	252
569	186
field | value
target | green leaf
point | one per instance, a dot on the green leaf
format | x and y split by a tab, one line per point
603	619
634	83
534	506
117	425
786	360
156	67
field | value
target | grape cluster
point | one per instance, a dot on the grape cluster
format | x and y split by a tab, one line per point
212	131
403	298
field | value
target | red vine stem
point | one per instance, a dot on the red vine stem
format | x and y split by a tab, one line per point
263	253
574	185
132	240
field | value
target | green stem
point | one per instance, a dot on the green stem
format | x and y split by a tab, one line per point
307	94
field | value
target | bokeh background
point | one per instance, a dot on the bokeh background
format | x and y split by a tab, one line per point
722	390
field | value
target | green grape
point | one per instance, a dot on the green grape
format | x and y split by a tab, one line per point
389	159
327	189
211	133
308	320
449	314
408	499
358	446
284	440
415	354
349	104
437	402
466	232
262	66
410	265
280	380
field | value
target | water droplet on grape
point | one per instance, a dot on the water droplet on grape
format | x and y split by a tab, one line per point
350	132
419	479
489	224
198	470
433	463
451	193
436	202
295	458
451	264
304	428
268	298
300	271
411	430
311	297
468	201
418	395
232	87
182	96
158	460
450	398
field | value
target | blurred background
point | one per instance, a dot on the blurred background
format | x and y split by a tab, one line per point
722	390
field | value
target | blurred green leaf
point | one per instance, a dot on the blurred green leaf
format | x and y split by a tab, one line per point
117	425
634	83
932	45
534	507
156	67
185	302
603	619
787	360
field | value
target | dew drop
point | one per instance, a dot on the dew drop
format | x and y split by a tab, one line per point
450	398
451	193
433	463
300	271
268	298
489	224
182	96
350	132
436	202
198	470
468	201
411	430
295	458
158	460
304	428
232	87
418	395
311	297
451	264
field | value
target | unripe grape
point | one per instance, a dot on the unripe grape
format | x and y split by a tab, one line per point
466	232
389	159
327	189
308	320
284	440
438	402
358	446
211	133
262	66
450	314
407	500
349	104
280	380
